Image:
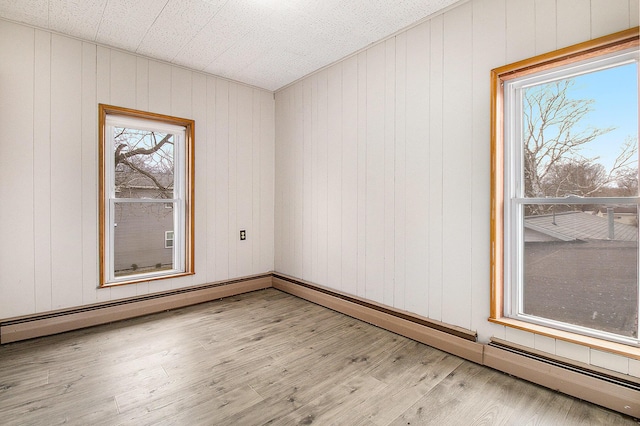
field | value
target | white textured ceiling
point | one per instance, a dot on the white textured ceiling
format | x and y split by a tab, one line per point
265	43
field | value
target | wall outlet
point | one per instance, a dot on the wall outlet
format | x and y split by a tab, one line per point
243	235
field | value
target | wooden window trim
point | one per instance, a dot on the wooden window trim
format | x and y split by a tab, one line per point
579	52
189	125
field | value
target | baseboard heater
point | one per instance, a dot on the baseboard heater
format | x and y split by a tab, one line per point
449	338
617	392
37	325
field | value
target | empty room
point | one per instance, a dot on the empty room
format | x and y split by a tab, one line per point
340	212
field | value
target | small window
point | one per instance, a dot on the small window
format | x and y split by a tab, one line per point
168	239
146	187
565	191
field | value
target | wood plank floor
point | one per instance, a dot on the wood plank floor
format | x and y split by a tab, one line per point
263	358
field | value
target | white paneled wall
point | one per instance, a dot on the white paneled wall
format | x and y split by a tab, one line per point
383	160
50	87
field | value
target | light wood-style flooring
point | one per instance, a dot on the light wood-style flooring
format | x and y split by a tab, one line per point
263	358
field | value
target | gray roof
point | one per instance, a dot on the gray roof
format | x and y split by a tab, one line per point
572	226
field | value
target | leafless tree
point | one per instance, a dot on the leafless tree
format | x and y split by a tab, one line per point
144	163
627	182
554	133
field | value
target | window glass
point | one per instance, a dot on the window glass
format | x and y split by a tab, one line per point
138	246
144	163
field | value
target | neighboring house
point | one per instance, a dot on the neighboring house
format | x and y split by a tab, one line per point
577	226
143	231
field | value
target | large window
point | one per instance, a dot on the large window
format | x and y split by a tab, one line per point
565	192
146	196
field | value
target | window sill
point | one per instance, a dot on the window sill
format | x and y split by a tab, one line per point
591	342
145	279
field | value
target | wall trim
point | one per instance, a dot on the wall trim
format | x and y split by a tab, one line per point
53	322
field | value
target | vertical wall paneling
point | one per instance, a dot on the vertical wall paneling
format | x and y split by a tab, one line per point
375	173
400	185
634	13
297	206
233	180
289	185
244	181
66	172
389	169
334	177
200	114
486	14
42	170
322	178
283	128
306	162
349	174
222	180
436	214
210	184
457	164
607	16
267	181
103	75
123	79
278	149
142	84
89	174
181	92
278	152
256	223
521	29
315	178
159	87
362	171
282	253
545	25
417	170
17	169
573	22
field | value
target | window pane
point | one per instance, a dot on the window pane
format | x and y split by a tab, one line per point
580	135
581	267
139	238
144	163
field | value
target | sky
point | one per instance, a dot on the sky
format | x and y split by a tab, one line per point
615	92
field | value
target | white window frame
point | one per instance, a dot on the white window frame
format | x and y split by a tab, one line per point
507	198
182	200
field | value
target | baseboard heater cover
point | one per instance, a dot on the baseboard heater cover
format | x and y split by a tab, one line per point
617	392
449	338
38	325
